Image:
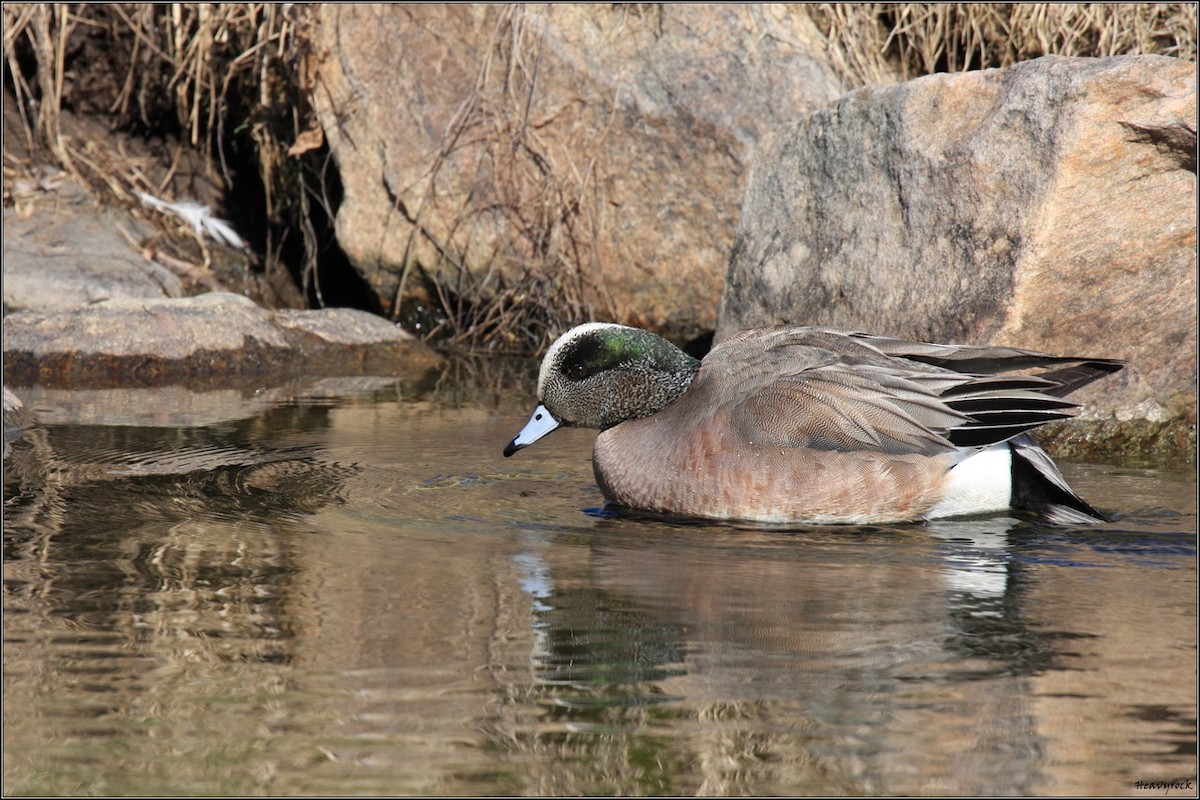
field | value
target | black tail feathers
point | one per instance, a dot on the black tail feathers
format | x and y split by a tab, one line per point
1038	486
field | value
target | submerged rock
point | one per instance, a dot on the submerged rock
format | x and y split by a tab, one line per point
1050	205
211	336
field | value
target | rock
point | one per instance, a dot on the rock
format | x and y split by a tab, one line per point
1049	205
216	336
341	326
64	250
68	244
597	146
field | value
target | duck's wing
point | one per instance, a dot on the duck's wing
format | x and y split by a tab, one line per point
829	390
1067	373
829	407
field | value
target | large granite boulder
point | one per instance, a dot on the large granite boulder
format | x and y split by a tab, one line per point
597	151
1049	205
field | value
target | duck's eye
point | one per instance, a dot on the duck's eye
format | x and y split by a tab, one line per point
577	372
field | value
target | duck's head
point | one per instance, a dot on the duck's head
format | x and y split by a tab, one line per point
598	375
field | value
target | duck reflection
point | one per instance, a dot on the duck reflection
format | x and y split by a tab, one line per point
848	641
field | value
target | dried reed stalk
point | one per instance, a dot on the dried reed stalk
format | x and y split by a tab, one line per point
879	42
543	281
208	59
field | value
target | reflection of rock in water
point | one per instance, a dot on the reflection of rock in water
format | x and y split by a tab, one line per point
149	535
168	537
483	381
588	642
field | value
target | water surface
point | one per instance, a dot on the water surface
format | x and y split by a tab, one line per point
343	588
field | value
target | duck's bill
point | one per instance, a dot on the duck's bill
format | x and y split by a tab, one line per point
541	423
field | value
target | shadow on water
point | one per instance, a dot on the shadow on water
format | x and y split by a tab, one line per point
344	588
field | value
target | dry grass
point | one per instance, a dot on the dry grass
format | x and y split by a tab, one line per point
182	72
879	42
216	74
542	283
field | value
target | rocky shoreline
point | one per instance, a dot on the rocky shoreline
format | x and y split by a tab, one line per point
1048	205
207	338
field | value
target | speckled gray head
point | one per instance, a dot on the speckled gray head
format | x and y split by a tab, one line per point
599	374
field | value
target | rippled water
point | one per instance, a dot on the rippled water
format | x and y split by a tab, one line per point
343	588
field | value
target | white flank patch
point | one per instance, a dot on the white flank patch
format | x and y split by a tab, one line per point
979	484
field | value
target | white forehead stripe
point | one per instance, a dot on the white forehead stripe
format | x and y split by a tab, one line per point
554	353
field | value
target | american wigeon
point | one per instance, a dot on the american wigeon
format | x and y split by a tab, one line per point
810	425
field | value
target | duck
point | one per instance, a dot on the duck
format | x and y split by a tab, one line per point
807	425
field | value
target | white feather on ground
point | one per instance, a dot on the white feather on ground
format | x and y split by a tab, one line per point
199	217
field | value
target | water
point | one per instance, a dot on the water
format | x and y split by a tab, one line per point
343	588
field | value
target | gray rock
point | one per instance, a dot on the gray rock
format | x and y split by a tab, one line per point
1050	205
212	336
63	250
346	326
